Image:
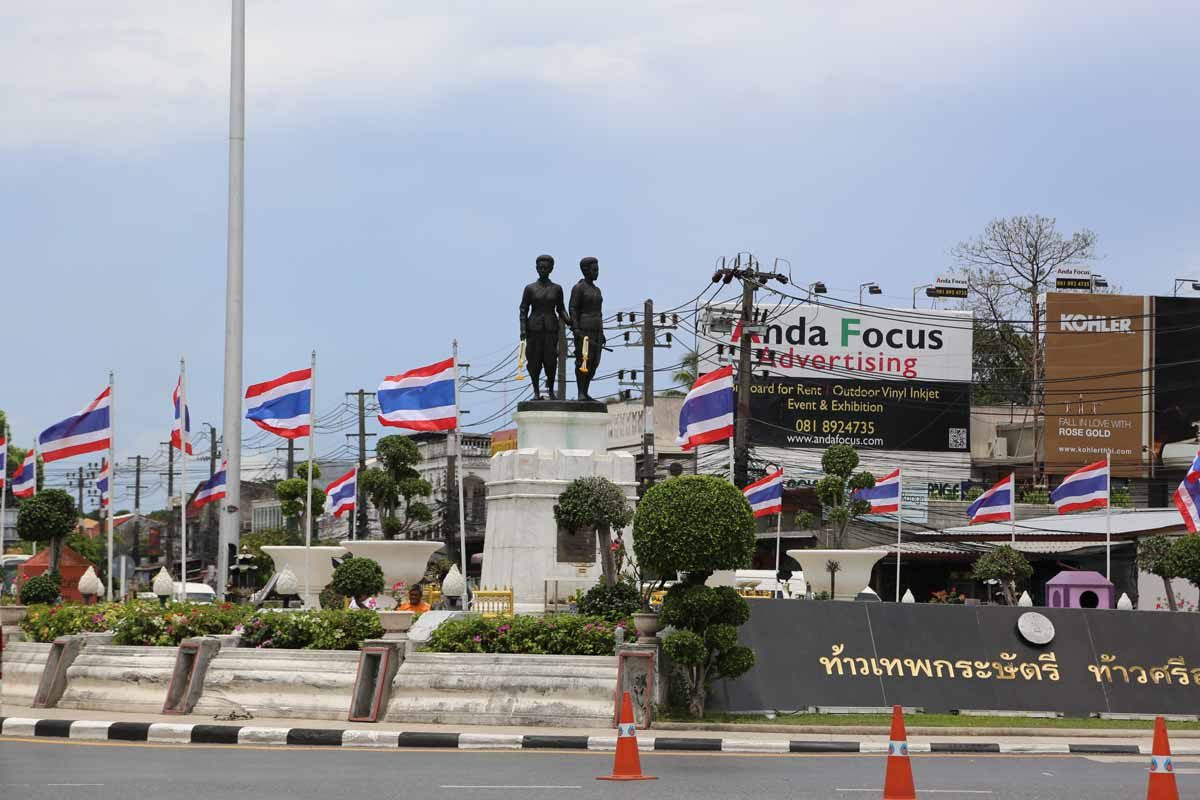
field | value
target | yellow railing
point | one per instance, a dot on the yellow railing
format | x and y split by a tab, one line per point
493	602
432	594
656	598
751	593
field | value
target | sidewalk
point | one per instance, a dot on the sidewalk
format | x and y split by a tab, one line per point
176	729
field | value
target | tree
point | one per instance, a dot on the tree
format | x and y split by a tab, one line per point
359	578
1002	357
48	516
1007	268
687	373
595	504
1183	559
291	496
396	485
836	489
1153	556
695	525
1006	565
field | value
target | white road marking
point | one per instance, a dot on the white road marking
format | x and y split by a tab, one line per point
924	791
74	784
547	786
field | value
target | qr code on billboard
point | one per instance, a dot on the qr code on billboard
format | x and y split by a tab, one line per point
958	438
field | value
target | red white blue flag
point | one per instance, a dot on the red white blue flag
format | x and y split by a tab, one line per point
421	399
1187	497
178	437
1086	487
766	494
212	489
87	432
707	412
282	406
342	493
102	483
884	496
24	480
994	505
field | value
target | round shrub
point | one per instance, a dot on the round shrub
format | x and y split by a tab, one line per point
48	516
614	603
359	578
42	588
695	524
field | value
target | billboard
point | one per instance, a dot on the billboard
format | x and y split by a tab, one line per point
1176	365
877	379
1097	373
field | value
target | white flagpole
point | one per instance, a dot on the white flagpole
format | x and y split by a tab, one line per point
112	478
183	445
1012	507
461	471
4	484
899	525
312	424
779	536
1108	516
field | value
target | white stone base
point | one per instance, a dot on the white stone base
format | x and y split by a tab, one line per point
493	689
119	678
312	684
23	665
521	543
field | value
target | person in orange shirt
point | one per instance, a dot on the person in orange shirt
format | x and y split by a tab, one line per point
415	603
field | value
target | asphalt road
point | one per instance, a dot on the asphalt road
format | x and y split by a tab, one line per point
42	770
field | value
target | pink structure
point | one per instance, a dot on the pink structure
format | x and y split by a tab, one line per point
1080	589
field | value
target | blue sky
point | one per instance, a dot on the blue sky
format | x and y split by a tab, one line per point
405	167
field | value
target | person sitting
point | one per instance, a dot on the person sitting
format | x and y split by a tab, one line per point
415	603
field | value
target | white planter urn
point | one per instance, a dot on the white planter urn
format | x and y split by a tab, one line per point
400	559
853	574
320	563
396	623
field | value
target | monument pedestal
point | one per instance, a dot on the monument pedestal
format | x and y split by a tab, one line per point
523	547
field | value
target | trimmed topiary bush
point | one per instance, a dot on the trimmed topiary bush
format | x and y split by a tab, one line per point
49	517
614	603
1006	565
704	644
694	524
359	578
597	504
42	588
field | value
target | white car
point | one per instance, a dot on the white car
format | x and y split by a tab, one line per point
200	593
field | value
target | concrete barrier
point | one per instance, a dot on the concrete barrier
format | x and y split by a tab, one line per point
495	689
24	663
312	684
119	678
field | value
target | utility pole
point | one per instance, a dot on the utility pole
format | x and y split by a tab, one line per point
359	528
648	329
745	270
291	459
135	547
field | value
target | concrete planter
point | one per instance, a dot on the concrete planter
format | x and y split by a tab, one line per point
320	567
395	623
647	624
12	615
855	572
400	559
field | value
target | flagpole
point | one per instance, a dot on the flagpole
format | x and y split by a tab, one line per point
312	424
1012	507
731	461
899	524
461	464
4	487
778	541
112	472
183	446
1108	515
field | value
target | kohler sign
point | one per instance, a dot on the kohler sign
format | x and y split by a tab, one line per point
1092	323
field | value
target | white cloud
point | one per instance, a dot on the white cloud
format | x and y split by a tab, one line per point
127	76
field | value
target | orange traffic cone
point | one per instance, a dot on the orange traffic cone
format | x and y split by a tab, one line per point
1162	770
627	766
898	782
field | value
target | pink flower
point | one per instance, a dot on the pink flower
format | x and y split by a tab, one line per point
477	639
616	546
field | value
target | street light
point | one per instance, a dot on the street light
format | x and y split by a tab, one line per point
872	288
1181	281
816	288
929	292
1099	282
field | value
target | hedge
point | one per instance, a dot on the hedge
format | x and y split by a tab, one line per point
557	634
327	629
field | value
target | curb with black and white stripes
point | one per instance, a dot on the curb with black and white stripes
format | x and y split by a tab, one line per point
182	733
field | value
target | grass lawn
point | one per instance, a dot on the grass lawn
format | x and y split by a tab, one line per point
939	721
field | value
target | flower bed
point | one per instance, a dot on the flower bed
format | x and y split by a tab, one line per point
328	629
45	623
133	623
558	634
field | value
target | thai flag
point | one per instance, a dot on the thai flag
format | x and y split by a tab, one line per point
421	399
3	462
86	432
884	496
707	412
1187	497
994	505
177	438
212	489
342	492
24	480
1086	487
282	406
102	484
766	494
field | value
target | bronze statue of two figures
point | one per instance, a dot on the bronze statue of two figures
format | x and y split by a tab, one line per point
542	311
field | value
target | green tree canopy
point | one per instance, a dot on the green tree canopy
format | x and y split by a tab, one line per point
48	516
836	489
1183	559
395	486
359	578
695	524
1154	556
1006	565
595	503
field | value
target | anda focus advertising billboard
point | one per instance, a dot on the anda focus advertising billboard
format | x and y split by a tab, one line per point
878	379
